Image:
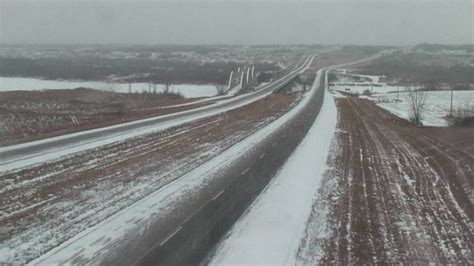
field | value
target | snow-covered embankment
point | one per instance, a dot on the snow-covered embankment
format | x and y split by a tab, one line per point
271	230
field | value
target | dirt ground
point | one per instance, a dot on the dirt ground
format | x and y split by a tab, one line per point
44	205
33	115
394	193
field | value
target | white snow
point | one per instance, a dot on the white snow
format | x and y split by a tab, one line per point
359	88
234	90
237	88
29	84
374	85
96	240
56	153
386	96
437	105
374	79
271	230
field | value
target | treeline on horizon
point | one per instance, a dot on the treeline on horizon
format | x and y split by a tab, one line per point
408	68
438	47
158	48
135	69
367	49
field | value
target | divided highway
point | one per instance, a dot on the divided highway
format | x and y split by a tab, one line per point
189	216
192	239
21	155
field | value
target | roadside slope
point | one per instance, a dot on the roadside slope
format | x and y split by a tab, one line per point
161	226
396	193
271	229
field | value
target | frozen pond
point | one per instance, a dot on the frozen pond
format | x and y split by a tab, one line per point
187	90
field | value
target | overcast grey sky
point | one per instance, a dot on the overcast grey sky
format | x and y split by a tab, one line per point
237	22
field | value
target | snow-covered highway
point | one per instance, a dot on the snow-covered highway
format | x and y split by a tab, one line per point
160	227
22	155
185	203
211	167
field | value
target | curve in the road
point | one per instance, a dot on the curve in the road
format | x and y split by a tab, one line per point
22	155
198	234
186	237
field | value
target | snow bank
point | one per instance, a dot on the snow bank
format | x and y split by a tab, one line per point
271	230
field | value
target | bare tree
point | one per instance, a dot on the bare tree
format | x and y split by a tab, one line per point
417	104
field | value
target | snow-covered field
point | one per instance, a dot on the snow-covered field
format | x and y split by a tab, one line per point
187	90
359	88
437	105
37	240
386	96
348	73
357	84
148	163
67	150
271	230
198	113
93	242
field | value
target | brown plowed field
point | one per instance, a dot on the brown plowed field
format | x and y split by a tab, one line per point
43	205
396	193
32	115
